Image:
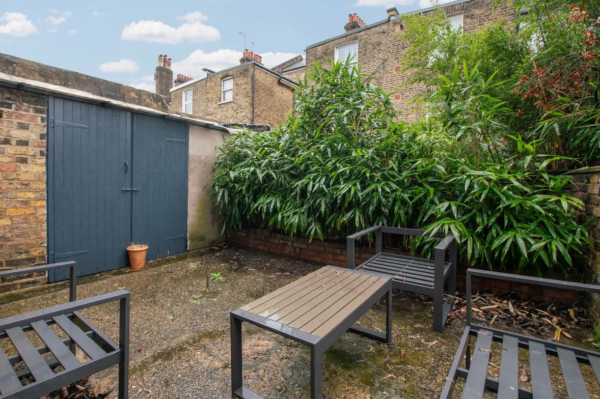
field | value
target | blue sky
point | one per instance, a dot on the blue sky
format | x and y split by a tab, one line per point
121	40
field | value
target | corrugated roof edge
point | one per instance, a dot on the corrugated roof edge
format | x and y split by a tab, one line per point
34	86
264	68
375	24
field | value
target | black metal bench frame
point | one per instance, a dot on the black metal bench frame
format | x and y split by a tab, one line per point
318	345
413	274
507	385
101	350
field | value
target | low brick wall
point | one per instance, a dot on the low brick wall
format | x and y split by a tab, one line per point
334	253
586	187
22	186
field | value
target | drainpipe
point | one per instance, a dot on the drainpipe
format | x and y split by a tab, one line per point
253	75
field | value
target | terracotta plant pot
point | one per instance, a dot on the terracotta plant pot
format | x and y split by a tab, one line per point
137	256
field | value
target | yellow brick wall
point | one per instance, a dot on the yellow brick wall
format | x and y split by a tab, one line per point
22	185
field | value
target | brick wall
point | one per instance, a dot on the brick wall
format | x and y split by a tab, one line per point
272	101
74	80
23	185
334	253
207	97
296	74
586	187
380	50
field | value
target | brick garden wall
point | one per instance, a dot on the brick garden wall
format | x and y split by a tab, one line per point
334	253
586	187
23	185
380	50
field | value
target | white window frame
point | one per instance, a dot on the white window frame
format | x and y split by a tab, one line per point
190	103
337	52
223	91
456	17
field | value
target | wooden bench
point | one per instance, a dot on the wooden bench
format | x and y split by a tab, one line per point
413	274
101	350
315	310
476	360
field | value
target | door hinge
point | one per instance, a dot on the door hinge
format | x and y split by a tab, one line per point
130	189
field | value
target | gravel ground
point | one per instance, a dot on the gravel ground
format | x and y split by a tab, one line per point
180	348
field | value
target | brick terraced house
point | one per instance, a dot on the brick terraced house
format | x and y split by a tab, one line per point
247	94
378	50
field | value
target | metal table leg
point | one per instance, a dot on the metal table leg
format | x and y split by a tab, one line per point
316	373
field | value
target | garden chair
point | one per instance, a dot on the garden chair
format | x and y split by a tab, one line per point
413	274
476	374
101	350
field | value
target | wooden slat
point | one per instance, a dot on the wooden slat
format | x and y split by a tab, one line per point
298	284
318	294
408	261
540	376
475	383
428	284
320	313
33	360
342	312
9	382
66	358
422	274
508	386
576	387
310	307
285	299
403	263
86	343
595	363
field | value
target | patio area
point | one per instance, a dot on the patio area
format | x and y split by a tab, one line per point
180	347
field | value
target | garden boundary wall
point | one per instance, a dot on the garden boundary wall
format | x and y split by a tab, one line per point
334	253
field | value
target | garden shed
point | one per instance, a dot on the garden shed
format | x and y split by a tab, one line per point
86	175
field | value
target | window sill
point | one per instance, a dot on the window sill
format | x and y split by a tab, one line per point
225	102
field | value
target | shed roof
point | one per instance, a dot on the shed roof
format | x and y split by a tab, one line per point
35	86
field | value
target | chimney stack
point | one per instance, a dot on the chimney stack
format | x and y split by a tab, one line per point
164	76
249	56
392	13
354	22
181	79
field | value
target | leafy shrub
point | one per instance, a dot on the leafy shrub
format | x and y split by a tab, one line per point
343	164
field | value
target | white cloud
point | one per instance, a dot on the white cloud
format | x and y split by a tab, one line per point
55	20
72	31
385	3
191	17
222	59
53	30
63	13
98	14
16	24
144	83
123	65
158	32
431	3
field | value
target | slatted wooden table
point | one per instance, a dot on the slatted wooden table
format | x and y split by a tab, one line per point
315	310
475	371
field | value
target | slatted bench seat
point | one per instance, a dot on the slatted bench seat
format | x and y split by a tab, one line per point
315	310
476	361
43	372
413	274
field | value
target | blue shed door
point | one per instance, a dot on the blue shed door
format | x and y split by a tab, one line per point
160	171
113	177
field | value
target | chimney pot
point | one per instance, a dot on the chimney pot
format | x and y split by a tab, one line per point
169	63
160	57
